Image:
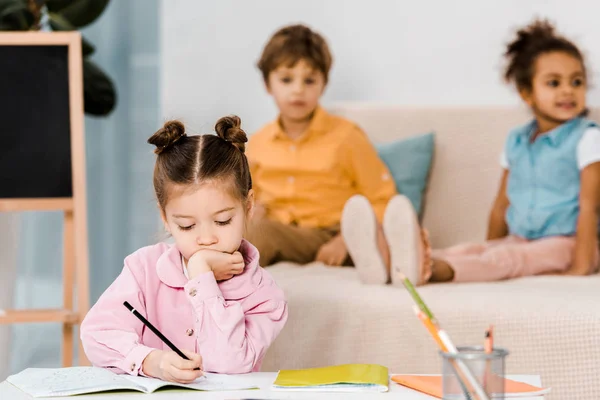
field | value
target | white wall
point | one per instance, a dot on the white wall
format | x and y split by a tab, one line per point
398	52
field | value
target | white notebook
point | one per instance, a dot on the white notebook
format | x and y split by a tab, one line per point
56	382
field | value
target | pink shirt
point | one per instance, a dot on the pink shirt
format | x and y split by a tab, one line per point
230	324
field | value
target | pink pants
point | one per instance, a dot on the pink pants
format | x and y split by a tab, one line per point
509	257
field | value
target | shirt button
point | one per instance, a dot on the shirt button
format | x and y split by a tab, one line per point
193	292
132	368
189	332
291	179
293	147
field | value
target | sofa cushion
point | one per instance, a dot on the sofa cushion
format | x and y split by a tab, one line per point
409	162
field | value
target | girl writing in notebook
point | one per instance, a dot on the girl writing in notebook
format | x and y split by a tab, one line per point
545	216
206	293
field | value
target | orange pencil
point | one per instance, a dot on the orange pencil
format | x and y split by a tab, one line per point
433	330
488	347
489	340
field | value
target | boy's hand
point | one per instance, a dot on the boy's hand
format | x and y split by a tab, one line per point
223	265
168	366
333	252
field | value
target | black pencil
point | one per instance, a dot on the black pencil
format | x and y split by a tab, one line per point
156	331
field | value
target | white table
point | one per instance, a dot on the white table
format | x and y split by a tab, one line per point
264	381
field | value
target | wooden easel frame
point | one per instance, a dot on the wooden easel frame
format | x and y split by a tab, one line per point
75	236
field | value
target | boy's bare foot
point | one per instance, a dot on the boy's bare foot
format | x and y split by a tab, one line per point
360	232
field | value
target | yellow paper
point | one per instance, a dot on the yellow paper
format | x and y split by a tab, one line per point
346	376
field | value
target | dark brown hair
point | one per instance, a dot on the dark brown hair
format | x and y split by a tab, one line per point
532	41
291	44
192	160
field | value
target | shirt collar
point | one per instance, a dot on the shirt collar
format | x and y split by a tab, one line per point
169	268
319	123
554	136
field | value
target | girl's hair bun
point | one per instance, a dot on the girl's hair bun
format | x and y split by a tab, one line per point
229	129
167	136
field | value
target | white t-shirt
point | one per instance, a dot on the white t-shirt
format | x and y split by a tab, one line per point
588	149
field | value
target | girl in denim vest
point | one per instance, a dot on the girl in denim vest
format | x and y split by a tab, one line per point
544	219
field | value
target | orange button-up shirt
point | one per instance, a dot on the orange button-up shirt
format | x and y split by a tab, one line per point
308	180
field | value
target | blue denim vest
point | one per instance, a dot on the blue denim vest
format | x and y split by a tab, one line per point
544	180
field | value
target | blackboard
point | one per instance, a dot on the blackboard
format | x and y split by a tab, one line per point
35	131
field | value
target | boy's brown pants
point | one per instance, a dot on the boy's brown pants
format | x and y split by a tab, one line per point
277	242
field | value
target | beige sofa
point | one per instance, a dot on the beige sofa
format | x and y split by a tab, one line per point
550	325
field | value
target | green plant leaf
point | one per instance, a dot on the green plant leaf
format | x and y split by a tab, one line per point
58	23
10	6
15	16
78	12
99	96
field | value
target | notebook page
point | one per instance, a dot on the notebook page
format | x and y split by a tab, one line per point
54	382
208	382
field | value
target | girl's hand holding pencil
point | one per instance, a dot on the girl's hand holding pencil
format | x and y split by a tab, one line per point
169	366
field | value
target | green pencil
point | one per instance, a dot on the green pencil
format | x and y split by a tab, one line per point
417	299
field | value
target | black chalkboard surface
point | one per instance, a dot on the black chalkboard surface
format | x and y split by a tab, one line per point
35	131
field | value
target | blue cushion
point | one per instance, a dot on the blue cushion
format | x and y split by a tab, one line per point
409	162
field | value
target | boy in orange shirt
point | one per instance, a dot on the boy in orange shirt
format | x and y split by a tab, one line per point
321	186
